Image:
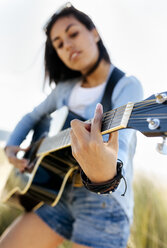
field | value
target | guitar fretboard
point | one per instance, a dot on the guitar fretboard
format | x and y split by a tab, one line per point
113	120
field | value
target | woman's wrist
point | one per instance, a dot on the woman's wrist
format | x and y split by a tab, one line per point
102	176
106	187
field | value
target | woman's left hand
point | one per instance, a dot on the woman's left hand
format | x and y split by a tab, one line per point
97	159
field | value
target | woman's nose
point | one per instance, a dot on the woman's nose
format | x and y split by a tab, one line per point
67	44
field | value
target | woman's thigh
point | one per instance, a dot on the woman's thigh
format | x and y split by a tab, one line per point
30	231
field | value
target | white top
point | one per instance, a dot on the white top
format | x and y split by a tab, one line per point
81	97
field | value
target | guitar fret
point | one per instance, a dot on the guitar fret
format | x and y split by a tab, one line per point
62	139
118	119
115	119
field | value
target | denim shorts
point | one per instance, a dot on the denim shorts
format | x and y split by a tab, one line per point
86	218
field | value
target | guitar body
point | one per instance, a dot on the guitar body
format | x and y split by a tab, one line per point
48	178
45	181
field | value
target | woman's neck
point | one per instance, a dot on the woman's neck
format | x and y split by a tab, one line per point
97	77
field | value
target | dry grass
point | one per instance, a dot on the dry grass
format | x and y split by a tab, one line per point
150	214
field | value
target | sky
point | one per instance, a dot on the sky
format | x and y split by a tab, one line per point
134	32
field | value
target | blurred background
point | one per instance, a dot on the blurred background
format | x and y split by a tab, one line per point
134	31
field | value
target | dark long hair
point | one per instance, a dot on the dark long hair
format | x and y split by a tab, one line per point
55	69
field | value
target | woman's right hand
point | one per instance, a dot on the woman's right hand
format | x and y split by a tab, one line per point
11	153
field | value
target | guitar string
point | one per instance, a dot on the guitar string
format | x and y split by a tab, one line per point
134	108
140	105
132	119
116	112
113	123
136	114
136	117
119	111
111	113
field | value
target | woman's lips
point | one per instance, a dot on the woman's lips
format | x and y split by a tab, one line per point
74	55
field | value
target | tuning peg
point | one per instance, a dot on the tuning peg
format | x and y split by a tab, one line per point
153	123
162	147
161	97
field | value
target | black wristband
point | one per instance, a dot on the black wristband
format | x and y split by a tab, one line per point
105	187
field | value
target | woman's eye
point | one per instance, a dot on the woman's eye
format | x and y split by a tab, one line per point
73	35
60	45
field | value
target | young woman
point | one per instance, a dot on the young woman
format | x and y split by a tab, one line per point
77	61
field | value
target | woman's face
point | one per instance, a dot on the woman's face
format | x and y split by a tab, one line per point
75	45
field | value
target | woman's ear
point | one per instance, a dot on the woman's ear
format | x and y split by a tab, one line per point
96	35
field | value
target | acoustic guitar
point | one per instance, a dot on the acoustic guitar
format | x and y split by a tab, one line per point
52	165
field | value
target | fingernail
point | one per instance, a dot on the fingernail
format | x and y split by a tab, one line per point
99	107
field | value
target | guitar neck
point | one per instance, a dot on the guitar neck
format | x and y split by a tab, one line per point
113	120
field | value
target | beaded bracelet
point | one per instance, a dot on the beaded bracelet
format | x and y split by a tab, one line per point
107	187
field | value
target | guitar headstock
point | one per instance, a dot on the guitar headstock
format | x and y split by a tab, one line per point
150	115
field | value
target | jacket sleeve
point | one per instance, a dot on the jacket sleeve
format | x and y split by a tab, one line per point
29	120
